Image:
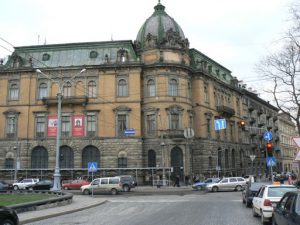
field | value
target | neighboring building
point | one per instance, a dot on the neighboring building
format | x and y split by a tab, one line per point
153	88
287	150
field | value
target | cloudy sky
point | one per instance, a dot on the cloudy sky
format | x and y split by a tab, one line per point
235	33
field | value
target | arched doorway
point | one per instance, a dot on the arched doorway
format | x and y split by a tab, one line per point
66	157
177	162
39	158
90	154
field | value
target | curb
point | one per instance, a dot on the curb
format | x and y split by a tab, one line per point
60	213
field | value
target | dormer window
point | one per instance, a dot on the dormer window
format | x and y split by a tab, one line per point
122	56
46	57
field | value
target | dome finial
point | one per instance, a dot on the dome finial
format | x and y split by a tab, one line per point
159	7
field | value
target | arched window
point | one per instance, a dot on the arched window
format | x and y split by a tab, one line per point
122	88
9	163
90	154
226	159
39	158
66	157
151	158
173	87
92	89
67	89
43	90
151	88
233	158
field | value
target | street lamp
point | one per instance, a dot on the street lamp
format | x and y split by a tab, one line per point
57	185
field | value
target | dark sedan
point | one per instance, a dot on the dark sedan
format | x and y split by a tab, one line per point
41	185
287	211
8	216
4	186
250	191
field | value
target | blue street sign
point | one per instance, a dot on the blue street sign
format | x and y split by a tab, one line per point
129	131
271	161
268	136
92	167
220	124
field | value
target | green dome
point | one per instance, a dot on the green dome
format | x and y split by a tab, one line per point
160	30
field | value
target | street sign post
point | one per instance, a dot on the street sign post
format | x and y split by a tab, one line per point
92	167
220	124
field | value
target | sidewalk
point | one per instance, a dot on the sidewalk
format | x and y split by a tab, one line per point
81	202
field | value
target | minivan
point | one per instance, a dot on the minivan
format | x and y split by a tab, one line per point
111	185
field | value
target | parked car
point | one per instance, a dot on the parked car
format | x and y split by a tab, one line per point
23	183
250	191
249	177
227	184
267	198
8	216
287	211
128	182
4	186
75	184
41	185
202	185
111	185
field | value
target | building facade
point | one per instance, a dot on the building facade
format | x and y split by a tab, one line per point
133	103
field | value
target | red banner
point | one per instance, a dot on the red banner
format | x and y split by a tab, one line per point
52	126
77	126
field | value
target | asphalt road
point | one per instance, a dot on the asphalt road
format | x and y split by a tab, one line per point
222	208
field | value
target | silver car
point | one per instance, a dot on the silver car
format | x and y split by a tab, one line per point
228	184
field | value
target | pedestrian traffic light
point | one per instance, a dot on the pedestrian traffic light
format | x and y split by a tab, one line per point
242	124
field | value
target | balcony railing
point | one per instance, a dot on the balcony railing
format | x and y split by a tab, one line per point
225	110
68	100
173	133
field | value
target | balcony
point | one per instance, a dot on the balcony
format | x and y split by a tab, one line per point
70	100
173	133
252	120
225	110
251	108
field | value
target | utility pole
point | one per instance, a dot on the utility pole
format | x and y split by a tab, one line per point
61	83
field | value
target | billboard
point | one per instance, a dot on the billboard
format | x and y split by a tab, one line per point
52	126
77	125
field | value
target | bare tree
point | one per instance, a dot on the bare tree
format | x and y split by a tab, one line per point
283	68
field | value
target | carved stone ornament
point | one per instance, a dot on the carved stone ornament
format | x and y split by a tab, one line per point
151	41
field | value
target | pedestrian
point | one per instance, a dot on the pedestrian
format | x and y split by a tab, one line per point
176	183
290	180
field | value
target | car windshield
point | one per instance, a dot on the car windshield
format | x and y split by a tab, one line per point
279	191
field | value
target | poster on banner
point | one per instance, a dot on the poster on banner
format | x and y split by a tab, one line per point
52	126
77	126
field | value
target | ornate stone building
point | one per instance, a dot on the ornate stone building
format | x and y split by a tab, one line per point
135	99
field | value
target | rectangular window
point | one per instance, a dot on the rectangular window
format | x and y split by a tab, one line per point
9	163
91	125
174	121
14	90
11	126
65	126
151	127
40	125
122	124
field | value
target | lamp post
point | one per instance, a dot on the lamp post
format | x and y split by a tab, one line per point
56	175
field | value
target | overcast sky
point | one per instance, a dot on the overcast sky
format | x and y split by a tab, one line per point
235	33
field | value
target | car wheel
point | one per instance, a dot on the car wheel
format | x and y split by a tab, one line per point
8	222
125	188
86	192
215	189
254	214
238	188
30	188
114	191
16	187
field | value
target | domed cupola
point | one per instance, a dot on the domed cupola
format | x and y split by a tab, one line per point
161	31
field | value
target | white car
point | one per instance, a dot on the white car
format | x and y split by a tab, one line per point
23	183
267	198
227	184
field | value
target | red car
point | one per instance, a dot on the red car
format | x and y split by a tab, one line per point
75	184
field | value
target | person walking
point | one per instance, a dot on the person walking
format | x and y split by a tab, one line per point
176	184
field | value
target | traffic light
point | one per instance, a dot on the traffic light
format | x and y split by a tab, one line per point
242	124
269	147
